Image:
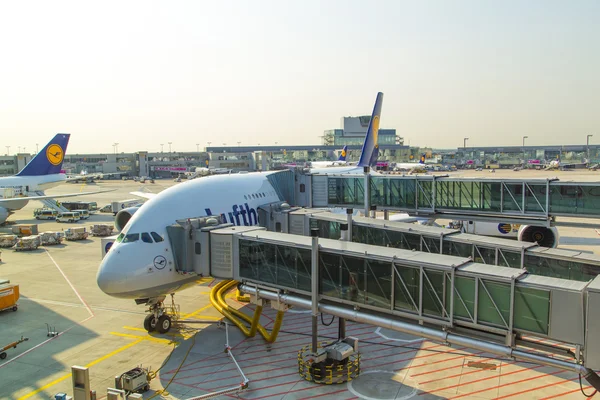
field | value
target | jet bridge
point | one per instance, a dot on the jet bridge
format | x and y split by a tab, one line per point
451	299
537	260
531	201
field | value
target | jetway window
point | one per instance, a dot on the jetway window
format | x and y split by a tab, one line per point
198	248
457	249
464	296
532	309
280	265
494	303
146	238
406	281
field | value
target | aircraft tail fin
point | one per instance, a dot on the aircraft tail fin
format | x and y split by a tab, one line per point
343	154
370	149
49	160
422	159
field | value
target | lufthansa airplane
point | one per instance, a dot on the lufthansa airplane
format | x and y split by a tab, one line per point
341	161
140	264
41	173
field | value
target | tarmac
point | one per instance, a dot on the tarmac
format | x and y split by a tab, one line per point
58	288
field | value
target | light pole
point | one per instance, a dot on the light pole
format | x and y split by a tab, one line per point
37	148
588	147
197	147
524	162
8	150
116	148
161	147
19	149
239	143
170	146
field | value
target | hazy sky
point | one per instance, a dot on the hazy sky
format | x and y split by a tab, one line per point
144	73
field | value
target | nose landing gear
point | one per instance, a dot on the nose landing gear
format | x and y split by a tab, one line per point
161	317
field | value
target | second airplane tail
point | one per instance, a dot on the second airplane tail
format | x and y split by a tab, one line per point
370	149
343	154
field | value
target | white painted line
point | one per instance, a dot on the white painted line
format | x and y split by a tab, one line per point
44	342
378	332
362	396
70	284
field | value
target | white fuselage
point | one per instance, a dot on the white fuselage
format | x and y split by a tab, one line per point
130	270
15	186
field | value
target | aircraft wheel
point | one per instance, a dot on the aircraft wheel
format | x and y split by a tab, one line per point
164	324
150	323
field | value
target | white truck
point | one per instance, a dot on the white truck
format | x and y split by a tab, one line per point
117	206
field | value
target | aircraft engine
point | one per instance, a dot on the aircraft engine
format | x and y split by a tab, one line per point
545	237
3	214
123	217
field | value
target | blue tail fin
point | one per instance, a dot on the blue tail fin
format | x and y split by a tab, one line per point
370	149
422	159
343	154
50	159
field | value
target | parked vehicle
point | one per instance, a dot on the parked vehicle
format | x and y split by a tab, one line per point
41	213
68	216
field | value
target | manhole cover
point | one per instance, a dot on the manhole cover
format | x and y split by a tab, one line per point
382	385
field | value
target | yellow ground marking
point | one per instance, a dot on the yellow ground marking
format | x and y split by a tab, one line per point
186	316
175	334
148	338
66	376
209	317
202	281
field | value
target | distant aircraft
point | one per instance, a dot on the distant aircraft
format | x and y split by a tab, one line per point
41	173
412	167
87	177
341	161
135	267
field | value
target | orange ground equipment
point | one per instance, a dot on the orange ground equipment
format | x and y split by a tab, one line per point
13	345
9	295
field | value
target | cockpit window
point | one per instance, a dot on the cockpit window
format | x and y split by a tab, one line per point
131	237
157	238
146	237
120	238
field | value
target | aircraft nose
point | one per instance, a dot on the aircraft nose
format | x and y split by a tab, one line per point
108	278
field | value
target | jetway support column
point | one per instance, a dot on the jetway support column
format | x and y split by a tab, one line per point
366	191
345	235
315	286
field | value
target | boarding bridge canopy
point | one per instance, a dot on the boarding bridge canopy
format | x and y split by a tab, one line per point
537	260
519	199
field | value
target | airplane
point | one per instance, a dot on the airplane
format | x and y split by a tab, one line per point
205	171
140	263
412	167
41	173
87	177
558	164
340	161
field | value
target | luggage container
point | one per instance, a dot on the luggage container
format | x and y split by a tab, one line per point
27	243
8	240
25	229
9	295
101	230
76	233
50	238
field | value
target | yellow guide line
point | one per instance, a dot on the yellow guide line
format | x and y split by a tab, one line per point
149	338
62	378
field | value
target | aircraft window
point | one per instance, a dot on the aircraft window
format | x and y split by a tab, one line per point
302	188
245	197
157	238
120	238
131	237
146	237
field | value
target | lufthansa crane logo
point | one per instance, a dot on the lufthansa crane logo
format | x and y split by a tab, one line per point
54	154
343	153
375	129
160	262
